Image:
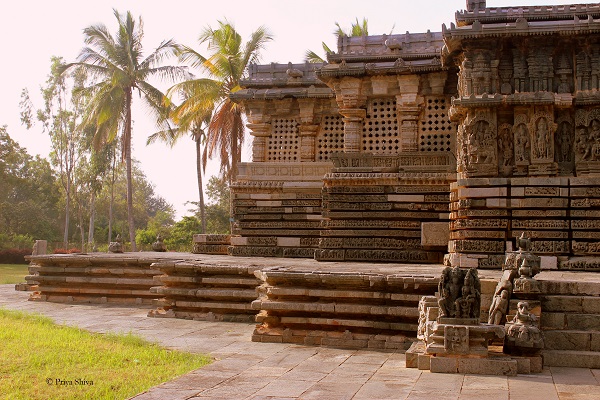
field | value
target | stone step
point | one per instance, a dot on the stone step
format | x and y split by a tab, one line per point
349	323
575	304
570	321
210	293
571	340
571	358
283	291
214	305
338	308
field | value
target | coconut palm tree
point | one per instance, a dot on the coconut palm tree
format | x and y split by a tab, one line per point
224	68
195	124
118	67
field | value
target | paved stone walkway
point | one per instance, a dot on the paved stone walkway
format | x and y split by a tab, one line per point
247	370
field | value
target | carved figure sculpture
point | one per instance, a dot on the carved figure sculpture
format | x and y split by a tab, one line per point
459	293
159	245
522	331
521	144
564	142
499	307
116	246
542	138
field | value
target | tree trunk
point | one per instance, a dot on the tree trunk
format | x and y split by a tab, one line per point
127	145
81	227
112	197
67	210
197	139
92	222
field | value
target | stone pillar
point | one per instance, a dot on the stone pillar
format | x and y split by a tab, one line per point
40	248
409	110
353	126
260	132
307	135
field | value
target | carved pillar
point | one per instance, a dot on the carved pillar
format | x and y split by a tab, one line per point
407	104
307	135
353	126
351	99
260	132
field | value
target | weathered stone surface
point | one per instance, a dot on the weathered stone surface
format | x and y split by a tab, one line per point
444	365
567	340
487	366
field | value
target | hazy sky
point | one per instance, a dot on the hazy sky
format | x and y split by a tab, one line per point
33	31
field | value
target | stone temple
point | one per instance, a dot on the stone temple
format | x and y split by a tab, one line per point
430	147
477	147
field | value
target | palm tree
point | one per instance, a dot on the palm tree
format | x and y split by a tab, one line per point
357	29
225	67
119	68
195	124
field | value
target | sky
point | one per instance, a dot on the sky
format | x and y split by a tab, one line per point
33	31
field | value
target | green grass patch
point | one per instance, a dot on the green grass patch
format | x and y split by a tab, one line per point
13	273
43	360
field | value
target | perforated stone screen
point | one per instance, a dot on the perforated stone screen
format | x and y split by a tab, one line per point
380	132
283	144
436	132
330	138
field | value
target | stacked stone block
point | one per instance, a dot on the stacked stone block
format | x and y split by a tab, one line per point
480	214
276	218
540	210
386	208
340	309
194	290
211	244
97	278
570	322
585	224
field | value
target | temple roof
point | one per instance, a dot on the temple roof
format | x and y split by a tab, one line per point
387	47
277	81
530	13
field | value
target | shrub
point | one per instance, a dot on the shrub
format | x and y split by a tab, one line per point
60	251
73	250
14	256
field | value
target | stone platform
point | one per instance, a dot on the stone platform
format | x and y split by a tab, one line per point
335	304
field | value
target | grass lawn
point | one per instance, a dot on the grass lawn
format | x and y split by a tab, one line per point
42	360
13	273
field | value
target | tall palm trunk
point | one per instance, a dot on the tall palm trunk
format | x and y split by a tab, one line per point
92	222
197	138
127	144
81	225
112	198
67	211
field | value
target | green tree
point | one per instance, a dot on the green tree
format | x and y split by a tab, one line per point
218	208
196	126
356	29
60	117
225	67
147	204
118	64
28	196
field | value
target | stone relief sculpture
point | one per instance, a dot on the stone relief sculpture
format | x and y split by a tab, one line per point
505	148
522	145
499	305
159	245
459	293
522	334
116	246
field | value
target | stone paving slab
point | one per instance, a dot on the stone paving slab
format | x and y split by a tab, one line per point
247	370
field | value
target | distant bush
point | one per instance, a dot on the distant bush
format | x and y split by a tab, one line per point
14	256
60	251
74	250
